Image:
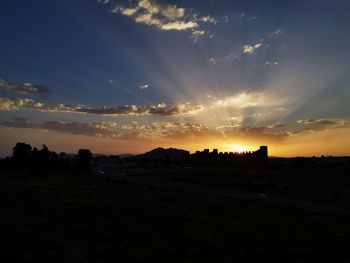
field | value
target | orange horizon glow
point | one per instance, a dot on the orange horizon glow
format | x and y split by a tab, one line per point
332	142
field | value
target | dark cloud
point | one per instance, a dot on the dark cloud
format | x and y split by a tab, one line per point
152	131
159	131
313	121
323	124
279	125
27	88
131	131
169	130
158	110
102	129
262	132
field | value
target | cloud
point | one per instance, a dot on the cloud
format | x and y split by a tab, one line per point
156	110
27	88
163	130
157	131
210	104
167	10
322	124
131	131
244	100
104	1
143	87
269	63
226	19
277	32
162	15
7	104
165	16
209	19
148	19
197	34
179	25
277	125
126	11
160	131
100	129
279	131
212	61
226	59
227	127
231	57
175	110
313	121
250	49
262	133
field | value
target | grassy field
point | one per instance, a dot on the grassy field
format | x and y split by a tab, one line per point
87	219
312	183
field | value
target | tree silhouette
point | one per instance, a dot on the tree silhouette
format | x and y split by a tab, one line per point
44	153
84	159
22	152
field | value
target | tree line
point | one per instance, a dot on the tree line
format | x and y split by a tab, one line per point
34	161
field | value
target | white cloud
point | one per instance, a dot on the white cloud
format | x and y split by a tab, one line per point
208	19
278	31
197	34
257	45
269	63
244	100
125	11
148	19
164	9
105	2
162	15
212	61
179	25
143	87
250	49
173	12
165	16
150	7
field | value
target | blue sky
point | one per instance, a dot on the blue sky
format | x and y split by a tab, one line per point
168	72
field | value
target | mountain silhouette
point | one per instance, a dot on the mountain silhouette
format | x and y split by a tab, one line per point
160	153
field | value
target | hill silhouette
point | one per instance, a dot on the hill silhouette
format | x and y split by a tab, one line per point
160	153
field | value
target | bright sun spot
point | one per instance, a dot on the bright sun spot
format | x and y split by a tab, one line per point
239	148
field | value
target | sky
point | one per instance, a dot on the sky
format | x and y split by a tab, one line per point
128	76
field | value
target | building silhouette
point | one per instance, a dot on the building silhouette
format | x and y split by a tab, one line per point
250	159
257	159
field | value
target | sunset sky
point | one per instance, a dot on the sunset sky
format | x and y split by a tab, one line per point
128	76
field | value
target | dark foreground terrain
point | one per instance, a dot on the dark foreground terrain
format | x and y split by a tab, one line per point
94	219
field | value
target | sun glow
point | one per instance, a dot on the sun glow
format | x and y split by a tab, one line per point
239	148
